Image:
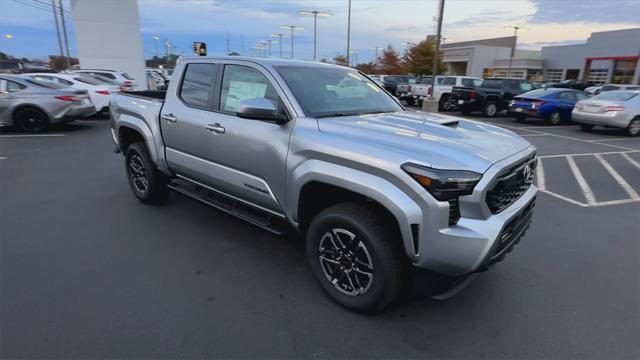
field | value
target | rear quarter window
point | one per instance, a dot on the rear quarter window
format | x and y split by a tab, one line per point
196	86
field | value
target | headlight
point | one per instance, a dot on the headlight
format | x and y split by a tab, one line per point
444	185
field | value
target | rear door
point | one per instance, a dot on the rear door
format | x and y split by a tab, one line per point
184	118
9	96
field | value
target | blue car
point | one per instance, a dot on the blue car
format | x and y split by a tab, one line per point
552	104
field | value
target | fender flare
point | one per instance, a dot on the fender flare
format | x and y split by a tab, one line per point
405	210
131	121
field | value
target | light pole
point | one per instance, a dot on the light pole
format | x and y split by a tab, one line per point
279	36
515	28
155	40
315	14
292	28
355	57
434	70
349	34
269	42
376	48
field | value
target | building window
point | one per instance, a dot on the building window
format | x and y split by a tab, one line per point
598	76
554	75
623	71
514	74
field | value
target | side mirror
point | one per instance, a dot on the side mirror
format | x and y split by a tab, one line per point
261	109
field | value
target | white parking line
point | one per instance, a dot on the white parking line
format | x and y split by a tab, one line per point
619	179
586	189
31	135
616	139
633	162
589	154
540	175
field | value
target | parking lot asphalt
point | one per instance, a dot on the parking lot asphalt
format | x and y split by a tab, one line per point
88	271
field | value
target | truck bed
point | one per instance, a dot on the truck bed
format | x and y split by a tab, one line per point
147	94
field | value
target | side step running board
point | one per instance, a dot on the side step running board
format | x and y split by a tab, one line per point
263	219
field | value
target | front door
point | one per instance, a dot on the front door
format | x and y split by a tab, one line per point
246	158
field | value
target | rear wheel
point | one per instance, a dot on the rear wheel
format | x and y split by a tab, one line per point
586	127
355	257
31	120
147	183
442	104
634	127
490	108
554	118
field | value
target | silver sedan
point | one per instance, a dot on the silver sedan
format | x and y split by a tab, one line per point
33	105
617	109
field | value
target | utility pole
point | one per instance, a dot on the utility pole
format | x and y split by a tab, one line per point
513	47
349	36
55	19
436	55
228	47
64	32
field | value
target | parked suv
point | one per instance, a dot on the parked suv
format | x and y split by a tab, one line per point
124	80
320	149
489	97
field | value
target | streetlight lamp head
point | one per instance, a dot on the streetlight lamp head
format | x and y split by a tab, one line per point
156	37
8	36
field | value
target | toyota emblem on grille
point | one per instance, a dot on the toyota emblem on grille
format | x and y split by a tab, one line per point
526	172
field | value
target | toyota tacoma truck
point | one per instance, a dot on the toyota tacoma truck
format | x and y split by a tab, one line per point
375	191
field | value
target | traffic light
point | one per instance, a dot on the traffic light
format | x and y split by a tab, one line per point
200	48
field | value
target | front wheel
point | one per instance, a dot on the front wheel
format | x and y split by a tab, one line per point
634	127
355	258
147	183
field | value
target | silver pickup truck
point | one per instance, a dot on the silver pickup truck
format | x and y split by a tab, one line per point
377	192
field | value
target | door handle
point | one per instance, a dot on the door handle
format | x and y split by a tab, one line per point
169	118
215	128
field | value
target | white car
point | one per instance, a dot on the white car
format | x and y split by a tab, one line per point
615	109
595	90
444	85
99	92
124	80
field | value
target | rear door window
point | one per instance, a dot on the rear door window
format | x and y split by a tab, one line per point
8	86
197	85
449	81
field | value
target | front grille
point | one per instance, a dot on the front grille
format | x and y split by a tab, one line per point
512	233
511	184
454	212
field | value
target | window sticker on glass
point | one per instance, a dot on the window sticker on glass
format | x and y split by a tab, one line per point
242	90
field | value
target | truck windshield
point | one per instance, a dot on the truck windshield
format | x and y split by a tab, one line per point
328	92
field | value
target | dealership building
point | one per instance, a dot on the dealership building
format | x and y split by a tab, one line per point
605	57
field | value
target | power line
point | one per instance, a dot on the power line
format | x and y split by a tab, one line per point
56	6
40	5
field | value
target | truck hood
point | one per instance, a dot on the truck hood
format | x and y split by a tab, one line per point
436	140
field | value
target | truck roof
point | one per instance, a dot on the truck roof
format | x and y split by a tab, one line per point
272	61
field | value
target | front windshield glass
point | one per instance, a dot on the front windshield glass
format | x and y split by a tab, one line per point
327	92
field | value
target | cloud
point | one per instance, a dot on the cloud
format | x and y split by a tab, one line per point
589	11
404	28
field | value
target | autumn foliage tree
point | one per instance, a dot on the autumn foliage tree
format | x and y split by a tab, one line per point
340	60
390	62
419	58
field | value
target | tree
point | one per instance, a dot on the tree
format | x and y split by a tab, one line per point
340	60
419	58
368	68
389	62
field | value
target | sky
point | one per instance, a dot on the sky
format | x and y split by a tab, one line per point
373	23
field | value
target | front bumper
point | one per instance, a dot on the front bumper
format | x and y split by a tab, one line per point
480	238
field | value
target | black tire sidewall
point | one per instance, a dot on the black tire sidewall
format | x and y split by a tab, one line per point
21	116
486	106
636	119
383	267
551	117
156	186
